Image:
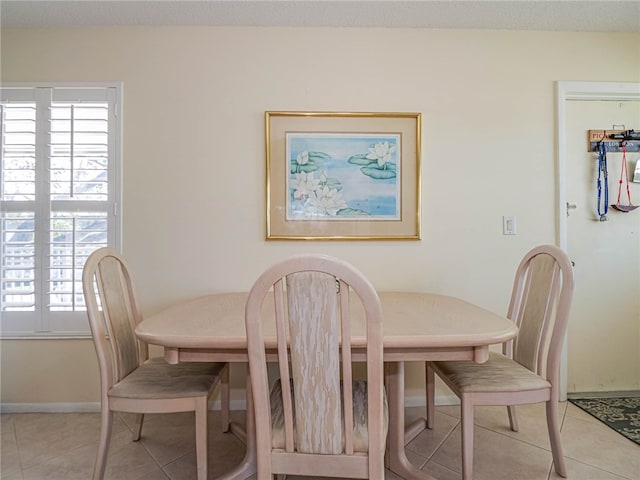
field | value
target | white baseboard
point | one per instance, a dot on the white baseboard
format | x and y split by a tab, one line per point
71	407
86	407
420	401
92	407
620	393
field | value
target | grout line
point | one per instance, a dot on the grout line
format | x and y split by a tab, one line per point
444	439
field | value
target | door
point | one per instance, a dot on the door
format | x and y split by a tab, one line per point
603	340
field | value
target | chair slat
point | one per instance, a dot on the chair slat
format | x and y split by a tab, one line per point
314	330
536	312
117	310
283	361
547	328
347	375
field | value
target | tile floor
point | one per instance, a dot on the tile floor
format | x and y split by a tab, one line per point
62	447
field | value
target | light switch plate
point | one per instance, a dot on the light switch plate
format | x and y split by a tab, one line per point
509	225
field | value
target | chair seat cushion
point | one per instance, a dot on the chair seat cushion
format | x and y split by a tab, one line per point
498	374
157	379
360	428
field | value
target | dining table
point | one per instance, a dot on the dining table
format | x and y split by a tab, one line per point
417	326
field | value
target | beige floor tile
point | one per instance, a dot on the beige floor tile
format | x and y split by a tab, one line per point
496	457
581	471
414	413
532	422
63	447
133	463
576	412
391	476
597	445
9	456
223	457
225	452
167	443
42	437
440	472
451	410
72	465
12	476
7	421
428	441
417	459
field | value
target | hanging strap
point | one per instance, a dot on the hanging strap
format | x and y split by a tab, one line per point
603	177
623	174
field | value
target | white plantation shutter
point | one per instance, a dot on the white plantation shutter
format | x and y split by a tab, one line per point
60	190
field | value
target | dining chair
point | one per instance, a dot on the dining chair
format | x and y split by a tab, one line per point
527	370
129	380
317	419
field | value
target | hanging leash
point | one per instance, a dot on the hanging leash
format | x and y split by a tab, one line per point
624	174
603	177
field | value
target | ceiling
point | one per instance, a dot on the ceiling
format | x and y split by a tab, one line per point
559	15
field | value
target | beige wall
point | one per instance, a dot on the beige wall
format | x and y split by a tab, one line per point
194	163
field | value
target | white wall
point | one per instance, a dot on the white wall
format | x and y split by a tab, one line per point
194	155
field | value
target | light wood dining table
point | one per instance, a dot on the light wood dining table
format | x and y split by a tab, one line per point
416	327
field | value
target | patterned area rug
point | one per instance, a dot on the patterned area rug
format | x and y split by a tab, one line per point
620	413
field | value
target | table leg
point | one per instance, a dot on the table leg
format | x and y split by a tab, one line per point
396	458
248	465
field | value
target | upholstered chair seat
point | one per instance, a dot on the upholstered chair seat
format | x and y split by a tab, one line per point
498	374
155	379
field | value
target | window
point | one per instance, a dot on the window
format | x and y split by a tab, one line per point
59	201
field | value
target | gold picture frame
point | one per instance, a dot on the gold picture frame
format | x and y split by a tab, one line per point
343	175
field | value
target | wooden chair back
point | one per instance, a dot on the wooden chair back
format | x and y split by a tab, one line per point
113	316
540	302
312	295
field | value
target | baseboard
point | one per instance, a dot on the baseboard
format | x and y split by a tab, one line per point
441	400
412	401
71	407
620	393
84	407
92	407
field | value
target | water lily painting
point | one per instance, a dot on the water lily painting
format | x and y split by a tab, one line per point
338	176
343	176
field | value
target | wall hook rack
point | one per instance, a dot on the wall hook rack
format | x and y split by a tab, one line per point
626	135
614	140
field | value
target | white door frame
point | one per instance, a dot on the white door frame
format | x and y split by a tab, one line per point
566	91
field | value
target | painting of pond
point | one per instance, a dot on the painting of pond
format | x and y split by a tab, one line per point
343	176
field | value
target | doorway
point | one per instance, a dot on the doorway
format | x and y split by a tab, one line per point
603	341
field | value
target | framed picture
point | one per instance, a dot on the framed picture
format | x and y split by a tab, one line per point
343	176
